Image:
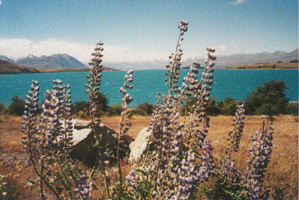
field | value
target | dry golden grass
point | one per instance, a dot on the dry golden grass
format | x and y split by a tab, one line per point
138	123
283	167
282	171
10	132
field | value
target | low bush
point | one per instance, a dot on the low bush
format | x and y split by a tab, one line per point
79	107
2	108
211	109
114	110
143	109
292	108
227	107
17	106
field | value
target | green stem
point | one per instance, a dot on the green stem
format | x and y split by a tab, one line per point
117	151
41	180
106	186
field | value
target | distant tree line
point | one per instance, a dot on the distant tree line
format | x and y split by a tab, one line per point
269	99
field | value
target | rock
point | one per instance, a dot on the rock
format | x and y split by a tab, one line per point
84	139
263	116
80	124
139	145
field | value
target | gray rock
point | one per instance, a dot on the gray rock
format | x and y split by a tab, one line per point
84	139
81	124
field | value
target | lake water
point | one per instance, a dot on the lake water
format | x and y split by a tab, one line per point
237	84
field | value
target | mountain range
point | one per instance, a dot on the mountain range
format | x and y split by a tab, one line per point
256	58
33	64
229	61
54	61
64	61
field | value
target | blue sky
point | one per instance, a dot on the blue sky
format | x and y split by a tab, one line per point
143	31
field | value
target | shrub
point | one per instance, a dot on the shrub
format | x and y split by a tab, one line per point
138	111
114	110
143	109
82	114
212	108
2	108
292	108
228	106
80	107
17	106
147	107
269	99
83	106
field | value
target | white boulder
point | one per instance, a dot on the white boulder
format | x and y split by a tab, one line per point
139	145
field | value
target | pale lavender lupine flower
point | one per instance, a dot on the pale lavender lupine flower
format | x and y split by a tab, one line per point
235	135
131	179
29	129
94	82
83	186
258	160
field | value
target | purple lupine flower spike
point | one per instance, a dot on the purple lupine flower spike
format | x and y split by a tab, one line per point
83	186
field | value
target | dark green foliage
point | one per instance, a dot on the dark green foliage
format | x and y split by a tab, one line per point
292	108
213	108
269	99
114	110
103	101
222	189
228	106
144	109
2	108
81	108
17	106
188	104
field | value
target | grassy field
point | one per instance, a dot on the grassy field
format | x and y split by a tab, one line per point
282	171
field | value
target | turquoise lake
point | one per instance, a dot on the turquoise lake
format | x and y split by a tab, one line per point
237	84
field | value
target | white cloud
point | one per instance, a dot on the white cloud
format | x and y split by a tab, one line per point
236	2
0	2
16	48
221	50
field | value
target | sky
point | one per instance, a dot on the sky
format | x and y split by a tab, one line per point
146	30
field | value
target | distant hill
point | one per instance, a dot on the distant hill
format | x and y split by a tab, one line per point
256	58
233	60
278	65
12	68
83	69
6	59
54	61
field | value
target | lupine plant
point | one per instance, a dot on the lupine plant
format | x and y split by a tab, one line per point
178	160
258	160
180	157
228	178
48	140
